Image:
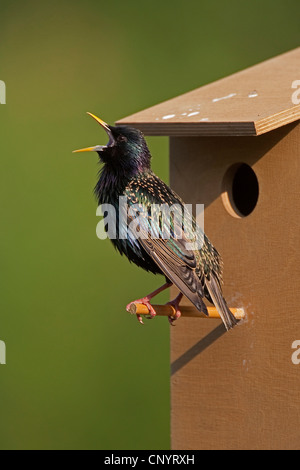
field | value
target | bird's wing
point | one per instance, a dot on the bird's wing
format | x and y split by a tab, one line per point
196	270
171	254
178	266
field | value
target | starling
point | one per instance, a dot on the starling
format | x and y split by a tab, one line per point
126	172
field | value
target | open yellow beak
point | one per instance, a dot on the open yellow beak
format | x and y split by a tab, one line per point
97	147
102	123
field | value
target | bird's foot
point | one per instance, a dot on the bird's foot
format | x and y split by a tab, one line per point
145	301
131	308
175	304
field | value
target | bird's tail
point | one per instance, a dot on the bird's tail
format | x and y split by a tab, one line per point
215	293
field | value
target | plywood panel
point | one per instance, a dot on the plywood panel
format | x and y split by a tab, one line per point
251	102
240	390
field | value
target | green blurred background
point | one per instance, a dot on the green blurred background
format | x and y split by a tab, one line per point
81	373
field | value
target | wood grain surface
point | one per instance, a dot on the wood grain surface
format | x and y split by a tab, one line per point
251	102
240	390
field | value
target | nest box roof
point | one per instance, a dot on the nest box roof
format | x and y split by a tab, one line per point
252	102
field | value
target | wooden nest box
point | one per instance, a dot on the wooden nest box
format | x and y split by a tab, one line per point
235	147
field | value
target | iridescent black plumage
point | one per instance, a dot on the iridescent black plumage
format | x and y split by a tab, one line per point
127	172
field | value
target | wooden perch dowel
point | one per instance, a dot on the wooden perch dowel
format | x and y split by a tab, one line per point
190	311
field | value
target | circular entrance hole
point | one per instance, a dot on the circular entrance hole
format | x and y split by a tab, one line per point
240	190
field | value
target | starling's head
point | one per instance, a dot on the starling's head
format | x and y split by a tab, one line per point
126	149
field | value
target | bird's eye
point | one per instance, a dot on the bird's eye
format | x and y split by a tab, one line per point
122	138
